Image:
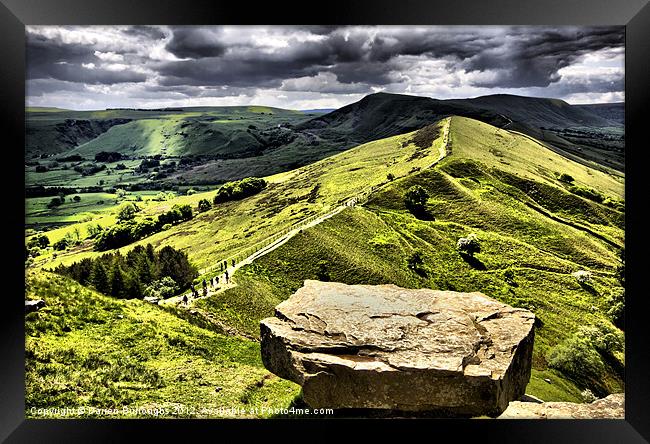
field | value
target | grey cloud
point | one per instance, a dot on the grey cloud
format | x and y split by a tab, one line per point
49	58
358	58
195	42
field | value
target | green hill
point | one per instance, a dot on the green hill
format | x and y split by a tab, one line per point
539	218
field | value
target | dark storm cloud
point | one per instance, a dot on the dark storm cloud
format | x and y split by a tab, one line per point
151	32
194	42
214	61
534	59
49	58
522	57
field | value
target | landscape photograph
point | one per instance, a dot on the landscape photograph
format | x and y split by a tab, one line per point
244	222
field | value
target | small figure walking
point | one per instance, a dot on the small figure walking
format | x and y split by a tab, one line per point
185	299
226	276
217	278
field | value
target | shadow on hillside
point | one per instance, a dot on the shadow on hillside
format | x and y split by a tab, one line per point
589	289
474	262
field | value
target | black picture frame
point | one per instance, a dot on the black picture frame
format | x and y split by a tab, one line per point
15	14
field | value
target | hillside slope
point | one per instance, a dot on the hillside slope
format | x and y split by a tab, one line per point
88	350
535	226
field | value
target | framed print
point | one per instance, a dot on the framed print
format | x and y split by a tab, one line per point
241	217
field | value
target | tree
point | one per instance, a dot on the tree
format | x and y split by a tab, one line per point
76	198
204	205
61	244
175	264
127	211
118	287
99	277
415	200
55	202
468	245
40	241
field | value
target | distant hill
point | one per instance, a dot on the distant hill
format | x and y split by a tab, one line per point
576	130
538	112
383	115
611	111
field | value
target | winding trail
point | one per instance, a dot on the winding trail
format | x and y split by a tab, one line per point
269	247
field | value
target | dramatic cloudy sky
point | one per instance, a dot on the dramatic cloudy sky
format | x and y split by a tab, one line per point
305	67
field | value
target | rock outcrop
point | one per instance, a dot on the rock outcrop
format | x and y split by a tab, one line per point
611	407
390	348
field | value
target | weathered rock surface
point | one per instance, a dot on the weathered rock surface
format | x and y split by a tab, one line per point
386	347
611	407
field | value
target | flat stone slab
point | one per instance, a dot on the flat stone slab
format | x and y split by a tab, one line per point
611	407
386	347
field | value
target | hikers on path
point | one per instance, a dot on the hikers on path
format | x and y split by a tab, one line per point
185	299
226	274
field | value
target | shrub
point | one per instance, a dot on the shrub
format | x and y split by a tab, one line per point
61	244
588	396
162	288
77	198
468	245
190	192
586	192
416	263
204	205
581	356
564	177
415	200
390	177
583	277
93	230
239	189
41	169
616	304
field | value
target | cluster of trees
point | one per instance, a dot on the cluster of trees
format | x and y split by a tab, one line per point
141	272
127	230
89	170
108	156
239	189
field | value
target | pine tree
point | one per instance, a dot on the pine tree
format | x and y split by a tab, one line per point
99	277
118	288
